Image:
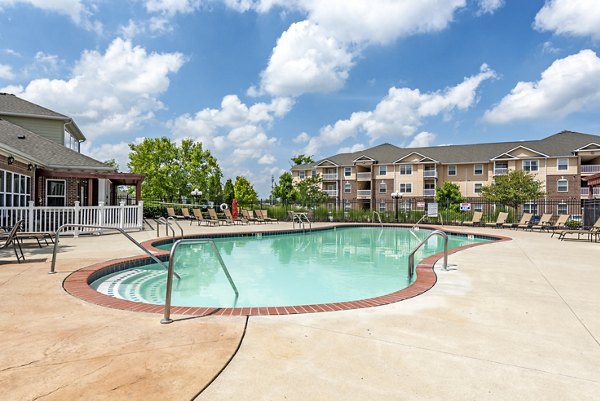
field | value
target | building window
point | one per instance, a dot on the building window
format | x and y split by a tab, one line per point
405	169
530	165
14	189
347	171
451	169
562	208
478	207
301	175
478	169
405	188
382	206
382	170
313	173
530	207
382	187
562	164
347	188
562	185
477	187
56	192
346	204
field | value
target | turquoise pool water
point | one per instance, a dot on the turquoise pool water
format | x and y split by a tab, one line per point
337	265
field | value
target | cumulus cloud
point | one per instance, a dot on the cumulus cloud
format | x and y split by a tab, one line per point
108	93
172	7
118	151
422	140
569	85
401	112
570	17
490	6
6	72
351	149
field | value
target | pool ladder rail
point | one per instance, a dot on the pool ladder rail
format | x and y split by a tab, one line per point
165	222
129	237
301	218
411	256
167	313
375	213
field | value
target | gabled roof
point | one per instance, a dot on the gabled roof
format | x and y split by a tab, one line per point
44	152
363	157
527	149
422	158
593	146
326	161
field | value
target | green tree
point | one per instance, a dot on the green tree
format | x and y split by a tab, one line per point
516	187
284	189
112	163
302	159
215	191
171	171
309	192
449	195
244	191
228	192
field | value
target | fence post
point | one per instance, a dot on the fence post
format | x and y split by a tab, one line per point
76	211
121	214
100	213
140	215
30	216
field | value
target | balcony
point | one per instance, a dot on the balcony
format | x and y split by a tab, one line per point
585	191
590	168
330	177
430	173
363	176
429	192
331	192
363	194
500	170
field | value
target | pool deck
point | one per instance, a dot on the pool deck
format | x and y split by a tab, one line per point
514	320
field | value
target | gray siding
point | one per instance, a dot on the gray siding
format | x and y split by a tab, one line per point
53	130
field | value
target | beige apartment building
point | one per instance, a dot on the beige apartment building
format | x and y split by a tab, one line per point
562	162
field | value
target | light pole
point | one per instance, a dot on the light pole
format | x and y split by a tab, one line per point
196	193
397	196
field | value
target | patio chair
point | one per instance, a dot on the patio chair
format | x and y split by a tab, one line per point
38	236
13	239
264	214
523	223
544	222
502	216
249	216
229	217
186	213
200	219
213	217
171	213
559	224
475	221
594	231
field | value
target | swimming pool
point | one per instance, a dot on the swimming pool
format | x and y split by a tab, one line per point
319	267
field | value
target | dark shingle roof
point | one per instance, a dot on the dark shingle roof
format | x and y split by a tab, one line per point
44	151
10	104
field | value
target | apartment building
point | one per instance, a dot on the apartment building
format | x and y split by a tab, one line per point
563	162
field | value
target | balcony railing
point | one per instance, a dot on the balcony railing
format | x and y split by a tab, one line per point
363	194
331	192
500	170
363	176
330	177
590	168
430	173
585	191
429	192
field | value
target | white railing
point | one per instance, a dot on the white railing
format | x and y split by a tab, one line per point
330	176
363	193
585	191
430	173
500	170
590	168
47	218
363	176
429	192
331	192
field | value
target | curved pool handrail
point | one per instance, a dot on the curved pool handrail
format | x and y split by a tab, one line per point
162	220
167	313
178	225
376	213
411	256
129	237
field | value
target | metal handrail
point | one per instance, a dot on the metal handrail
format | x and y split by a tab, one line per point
299	216
56	239
418	221
167	314
162	220
375	213
411	256
178	225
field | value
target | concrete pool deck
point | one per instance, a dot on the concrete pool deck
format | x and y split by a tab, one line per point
516	320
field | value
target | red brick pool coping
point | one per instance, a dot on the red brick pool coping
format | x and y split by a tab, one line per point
77	285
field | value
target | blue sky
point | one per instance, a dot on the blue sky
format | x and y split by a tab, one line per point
259	81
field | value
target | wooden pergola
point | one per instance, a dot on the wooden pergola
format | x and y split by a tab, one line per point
592	181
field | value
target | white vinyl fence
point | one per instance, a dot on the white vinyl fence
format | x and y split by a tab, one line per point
44	219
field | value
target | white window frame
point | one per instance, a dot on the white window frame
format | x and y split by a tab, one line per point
455	170
347	188
382	206
530	207
528	165
347	171
475	169
562	208
18	194
405	187
383	185
565	186
382	170
475	185
405	167
64	196
565	164
301	174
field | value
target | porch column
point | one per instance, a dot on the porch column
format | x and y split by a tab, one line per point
90	191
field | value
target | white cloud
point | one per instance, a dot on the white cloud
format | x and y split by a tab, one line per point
108	93
267	159
118	151
422	140
172	7
401	113
490	6
132	29
352	149
570	17
548	48
6	72
569	85
302	138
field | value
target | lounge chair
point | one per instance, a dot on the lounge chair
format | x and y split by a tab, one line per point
38	236
544	222
213	216
249	216
13	239
594	231
229	217
502	216
475	221
525	221
171	213
186	213
264	214
559	224
200	219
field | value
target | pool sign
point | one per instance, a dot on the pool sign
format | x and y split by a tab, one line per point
432	209
420	205
465	207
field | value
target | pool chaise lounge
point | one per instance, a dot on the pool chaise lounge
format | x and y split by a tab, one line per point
593	232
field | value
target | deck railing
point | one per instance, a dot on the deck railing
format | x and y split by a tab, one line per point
48	218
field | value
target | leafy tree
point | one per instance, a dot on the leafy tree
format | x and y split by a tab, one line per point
112	163
309	192
244	191
284	189
171	171
215	191
302	159
516	187
449	194
228	192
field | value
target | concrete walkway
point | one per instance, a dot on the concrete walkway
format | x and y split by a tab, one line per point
517	320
